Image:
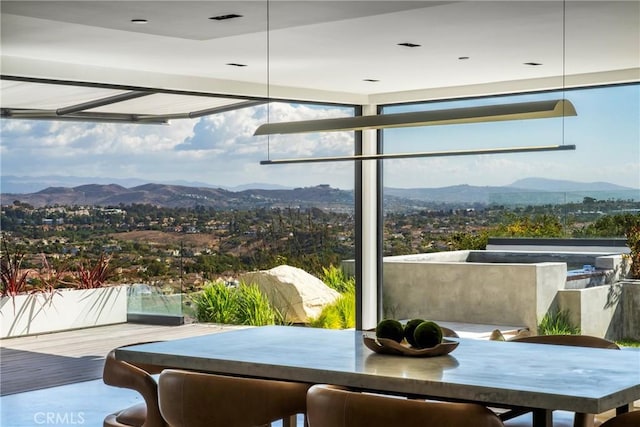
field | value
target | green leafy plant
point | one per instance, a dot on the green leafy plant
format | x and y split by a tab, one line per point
633	242
346	306
216	303
470	241
253	307
245	304
336	279
557	323
329	318
541	225
341	314
628	342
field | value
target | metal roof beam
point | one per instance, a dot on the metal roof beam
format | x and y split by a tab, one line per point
32	114
101	102
201	113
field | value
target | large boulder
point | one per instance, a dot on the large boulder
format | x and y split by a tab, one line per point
298	295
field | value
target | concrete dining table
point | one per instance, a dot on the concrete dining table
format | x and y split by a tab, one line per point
542	378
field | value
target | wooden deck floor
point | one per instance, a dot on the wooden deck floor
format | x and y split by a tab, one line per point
48	360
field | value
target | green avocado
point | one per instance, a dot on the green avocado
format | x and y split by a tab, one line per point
427	334
391	329
409	328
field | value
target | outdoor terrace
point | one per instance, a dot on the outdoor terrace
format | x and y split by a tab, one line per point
59	374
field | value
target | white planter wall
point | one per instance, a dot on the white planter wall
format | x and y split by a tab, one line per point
62	310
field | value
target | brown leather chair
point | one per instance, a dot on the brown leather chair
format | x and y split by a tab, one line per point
571	340
630	419
333	406
561	418
135	377
193	399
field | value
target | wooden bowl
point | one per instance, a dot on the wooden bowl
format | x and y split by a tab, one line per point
388	346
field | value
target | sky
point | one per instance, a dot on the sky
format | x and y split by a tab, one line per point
221	149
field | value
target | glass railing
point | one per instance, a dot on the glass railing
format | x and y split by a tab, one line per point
150	303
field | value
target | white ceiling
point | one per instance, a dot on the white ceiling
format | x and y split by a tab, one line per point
313	50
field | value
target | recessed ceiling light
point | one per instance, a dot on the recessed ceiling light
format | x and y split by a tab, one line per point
370	80
407	44
139	21
225	17
533	64
235	64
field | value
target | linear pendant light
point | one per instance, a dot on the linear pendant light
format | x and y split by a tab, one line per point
421	154
488	113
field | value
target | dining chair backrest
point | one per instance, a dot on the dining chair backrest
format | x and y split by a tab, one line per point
561	418
193	399
333	406
571	340
630	419
122	374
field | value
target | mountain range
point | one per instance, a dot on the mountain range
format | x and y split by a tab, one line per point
27	184
529	191
182	196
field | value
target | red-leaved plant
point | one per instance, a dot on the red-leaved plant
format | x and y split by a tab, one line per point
51	278
14	277
95	276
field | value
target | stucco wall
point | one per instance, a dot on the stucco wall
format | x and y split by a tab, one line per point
631	309
456	287
596	311
500	294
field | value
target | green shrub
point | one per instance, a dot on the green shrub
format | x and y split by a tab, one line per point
253	307
470	241
346	306
341	314
557	323
541	225
242	305
633	242
628	342
335	278
216	303
329	318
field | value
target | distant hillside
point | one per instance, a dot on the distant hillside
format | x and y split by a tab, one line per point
534	191
183	196
544	184
529	191
258	186
27	184
452	194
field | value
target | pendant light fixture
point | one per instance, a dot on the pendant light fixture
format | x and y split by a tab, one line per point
481	114
487	113
448	153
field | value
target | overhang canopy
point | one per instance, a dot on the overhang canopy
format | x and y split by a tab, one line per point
199	57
